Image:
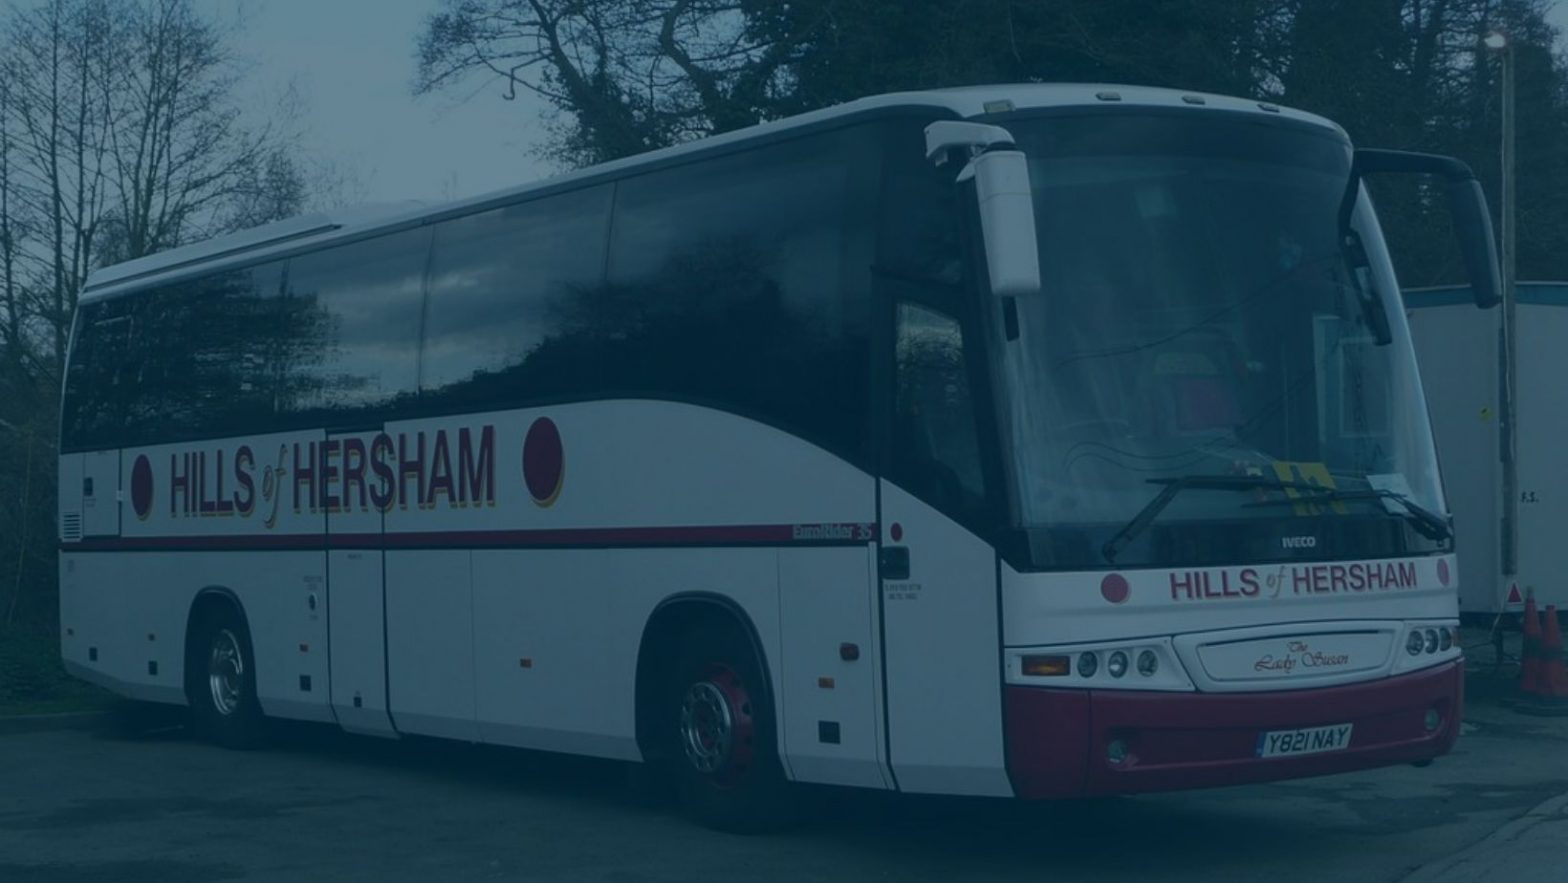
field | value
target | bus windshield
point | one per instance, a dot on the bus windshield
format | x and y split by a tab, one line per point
1210	307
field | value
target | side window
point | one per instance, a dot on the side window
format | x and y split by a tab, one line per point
499	281
350	330
730	284
919	228
935	445
205	352
97	378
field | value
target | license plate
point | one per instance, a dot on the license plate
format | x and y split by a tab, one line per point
1313	740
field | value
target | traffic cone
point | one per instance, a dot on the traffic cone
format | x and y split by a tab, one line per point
1530	670
1553	682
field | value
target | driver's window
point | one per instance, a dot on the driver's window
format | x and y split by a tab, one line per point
936	450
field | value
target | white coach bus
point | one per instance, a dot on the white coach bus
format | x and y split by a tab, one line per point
1033	441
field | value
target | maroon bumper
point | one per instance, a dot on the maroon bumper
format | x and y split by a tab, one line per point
1057	739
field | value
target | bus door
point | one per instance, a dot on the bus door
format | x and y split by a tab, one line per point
938	578
356	584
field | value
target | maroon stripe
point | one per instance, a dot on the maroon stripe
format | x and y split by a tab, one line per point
260	541
588	536
834	533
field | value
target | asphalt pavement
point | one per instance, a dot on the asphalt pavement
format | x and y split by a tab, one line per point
149	804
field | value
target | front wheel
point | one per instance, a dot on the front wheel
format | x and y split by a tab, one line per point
221	682
725	759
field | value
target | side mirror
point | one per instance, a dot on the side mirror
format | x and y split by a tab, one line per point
1474	222
1467	203
1012	253
1001	176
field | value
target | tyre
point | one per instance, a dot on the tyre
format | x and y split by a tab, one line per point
221	682
723	754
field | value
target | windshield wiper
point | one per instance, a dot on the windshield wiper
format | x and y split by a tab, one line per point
1174	486
1426	522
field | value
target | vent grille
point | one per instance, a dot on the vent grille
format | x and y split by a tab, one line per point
71	525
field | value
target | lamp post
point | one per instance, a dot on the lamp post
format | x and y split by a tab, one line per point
1508	426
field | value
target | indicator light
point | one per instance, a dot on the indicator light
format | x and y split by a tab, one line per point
1047	666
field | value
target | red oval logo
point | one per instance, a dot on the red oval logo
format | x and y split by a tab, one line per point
544	462
141	487
1115	589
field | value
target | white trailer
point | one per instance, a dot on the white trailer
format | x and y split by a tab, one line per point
1461	357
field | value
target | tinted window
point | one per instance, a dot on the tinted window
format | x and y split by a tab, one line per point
205	353
920	239
351	330
97	376
730	286
936	449
495	279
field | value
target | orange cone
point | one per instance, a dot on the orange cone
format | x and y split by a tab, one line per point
1553	682
1530	670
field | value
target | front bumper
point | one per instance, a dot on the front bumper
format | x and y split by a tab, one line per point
1057	739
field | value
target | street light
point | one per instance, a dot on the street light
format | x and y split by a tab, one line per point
1497	40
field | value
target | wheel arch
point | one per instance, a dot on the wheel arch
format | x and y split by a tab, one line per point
208	599
671	618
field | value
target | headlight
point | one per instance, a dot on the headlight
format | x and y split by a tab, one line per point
1414	643
1431	640
1088	664
1148	663
1117	664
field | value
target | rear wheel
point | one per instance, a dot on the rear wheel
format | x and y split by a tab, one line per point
724	758
221	682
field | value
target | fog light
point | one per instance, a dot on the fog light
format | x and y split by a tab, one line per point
1148	663
1116	752
1088	664
1445	638
1433	720
1117	664
1414	643
1431	640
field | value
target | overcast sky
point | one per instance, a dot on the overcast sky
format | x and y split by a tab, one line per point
352	61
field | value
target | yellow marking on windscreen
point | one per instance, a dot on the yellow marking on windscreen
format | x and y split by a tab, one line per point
1315	474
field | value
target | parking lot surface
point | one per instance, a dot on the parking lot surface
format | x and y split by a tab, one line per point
156	806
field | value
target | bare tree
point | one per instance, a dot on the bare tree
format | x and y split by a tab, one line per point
184	164
629	74
12	231
58	130
128	139
121	134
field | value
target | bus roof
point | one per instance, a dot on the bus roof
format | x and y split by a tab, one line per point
290	235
